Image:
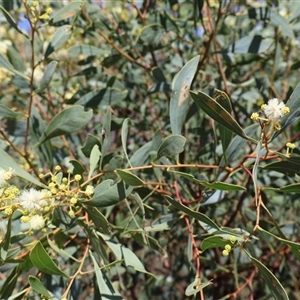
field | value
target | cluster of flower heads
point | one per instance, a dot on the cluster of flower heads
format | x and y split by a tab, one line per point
229	247
35	205
34	11
274	111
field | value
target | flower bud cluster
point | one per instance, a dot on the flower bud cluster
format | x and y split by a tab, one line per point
34	12
228	247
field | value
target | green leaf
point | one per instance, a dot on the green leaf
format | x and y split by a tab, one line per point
40	259
89	144
225	134
291	188
6	65
67	121
141	155
195	287
6	112
290	166
193	214
172	145
103	98
60	251
218	113
38	287
279	21
5	244
129	178
12	22
60	37
107	132
180	99
77	167
238	145
124	134
123	253
217	185
213	242
87	50
8	287
15	59
47	77
271	281
294	105
250	44
98	218
7	162
36	129
105	286
94	159
107	193
66	12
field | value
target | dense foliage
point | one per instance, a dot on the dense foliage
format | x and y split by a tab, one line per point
149	149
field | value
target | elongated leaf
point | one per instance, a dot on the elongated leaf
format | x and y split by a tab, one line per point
124	134
94	159
89	144
59	38
291	188
6	112
195	287
38	287
11	21
123	253
129	178
15	59
107	131
107	193
272	282
288	167
294	105
99	219
7	162
141	155
279	21
6	65
225	134
87	50
193	214
250	44
180	102
67	11
218	113
105	286
223	186
47	77
67	121
60	251
238	145
103	98
40	259
172	145
213	242
6	243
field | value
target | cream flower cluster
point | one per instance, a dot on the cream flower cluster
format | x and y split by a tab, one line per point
37	206
274	111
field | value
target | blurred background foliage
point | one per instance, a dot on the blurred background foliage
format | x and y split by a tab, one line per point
119	58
